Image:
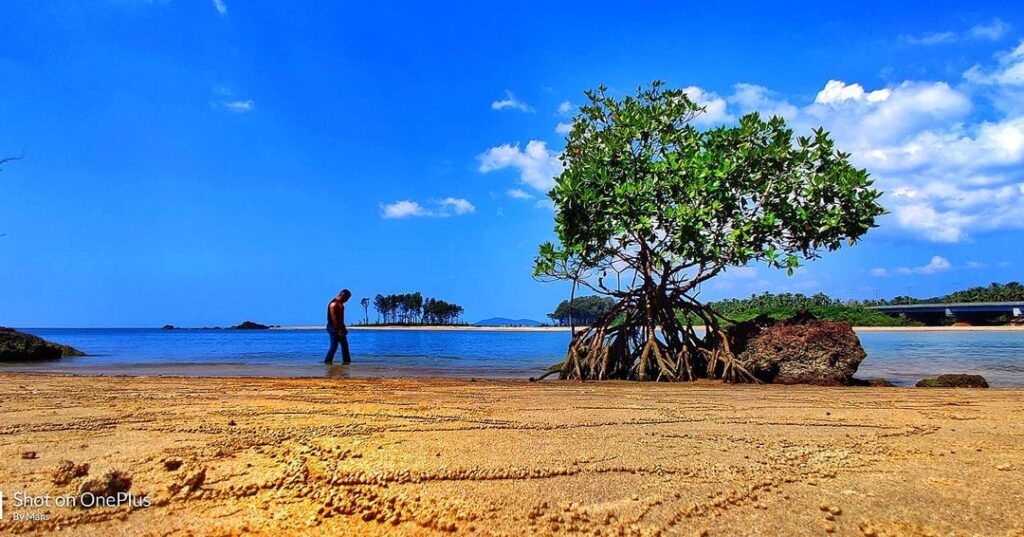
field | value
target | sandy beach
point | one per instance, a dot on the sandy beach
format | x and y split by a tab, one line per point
373	457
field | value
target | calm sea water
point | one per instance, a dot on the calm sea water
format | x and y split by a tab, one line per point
902	357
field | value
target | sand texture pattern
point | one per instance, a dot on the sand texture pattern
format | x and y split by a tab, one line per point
420	457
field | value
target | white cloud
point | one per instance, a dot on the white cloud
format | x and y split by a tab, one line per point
944	176
563	128
537	165
443	208
403	209
993	30
1009	72
836	91
565	108
950	165
220	7
510	101
751	98
935	265
240	106
519	194
714	107
457	206
975	265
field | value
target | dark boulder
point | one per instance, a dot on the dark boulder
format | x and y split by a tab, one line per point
954	381
18	346
168	327
800	350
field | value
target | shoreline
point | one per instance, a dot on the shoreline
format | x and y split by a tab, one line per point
418	456
567	329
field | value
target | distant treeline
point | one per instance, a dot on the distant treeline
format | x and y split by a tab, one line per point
585	310
588	309
412	308
995	292
822	306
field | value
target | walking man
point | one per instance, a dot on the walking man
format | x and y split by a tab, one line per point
336	327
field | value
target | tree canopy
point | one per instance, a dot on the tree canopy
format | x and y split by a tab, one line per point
412	308
995	292
584	310
649	206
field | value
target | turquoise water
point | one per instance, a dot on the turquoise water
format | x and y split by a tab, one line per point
902	357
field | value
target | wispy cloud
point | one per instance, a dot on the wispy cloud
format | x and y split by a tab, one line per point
238	107
931	38
565	108
221	7
993	30
936	265
519	194
225	98
511	102
441	208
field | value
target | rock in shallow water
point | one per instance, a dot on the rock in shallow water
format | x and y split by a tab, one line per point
801	350
18	346
954	381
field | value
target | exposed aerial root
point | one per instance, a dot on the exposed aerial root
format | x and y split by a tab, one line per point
646	338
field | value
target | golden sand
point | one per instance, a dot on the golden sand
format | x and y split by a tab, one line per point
374	457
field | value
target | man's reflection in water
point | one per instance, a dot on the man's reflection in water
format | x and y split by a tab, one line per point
339	371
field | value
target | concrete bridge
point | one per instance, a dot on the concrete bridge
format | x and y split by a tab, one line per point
967	312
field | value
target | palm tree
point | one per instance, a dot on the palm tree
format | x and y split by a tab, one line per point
365	302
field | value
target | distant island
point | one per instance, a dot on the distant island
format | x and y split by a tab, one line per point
504	321
244	325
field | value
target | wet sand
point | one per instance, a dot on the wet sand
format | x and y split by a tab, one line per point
406	456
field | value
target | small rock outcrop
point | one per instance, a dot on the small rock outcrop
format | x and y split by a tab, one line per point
954	381
18	346
168	327
110	484
249	325
800	350
68	471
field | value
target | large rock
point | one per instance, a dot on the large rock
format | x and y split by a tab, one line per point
801	350
18	346
954	381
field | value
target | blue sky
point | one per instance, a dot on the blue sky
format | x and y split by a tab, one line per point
200	162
